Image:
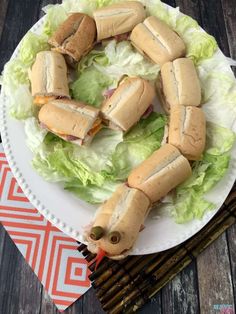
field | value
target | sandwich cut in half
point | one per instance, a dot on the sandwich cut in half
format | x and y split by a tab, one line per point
118	221
48	77
163	171
187	131
157	41
75	37
178	84
128	103
118	18
73	121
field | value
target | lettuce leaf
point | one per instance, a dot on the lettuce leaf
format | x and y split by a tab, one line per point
93	172
57	160
90	85
35	135
91	193
124	60
20	102
189	202
56	15
139	143
14	74
85	6
32	44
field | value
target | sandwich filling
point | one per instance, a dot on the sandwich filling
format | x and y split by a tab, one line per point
42	100
97	126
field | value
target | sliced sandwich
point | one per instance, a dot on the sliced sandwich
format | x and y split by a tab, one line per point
72	121
179	84
128	103
75	37
118	18
48	77
187	131
118	221
163	171
157	41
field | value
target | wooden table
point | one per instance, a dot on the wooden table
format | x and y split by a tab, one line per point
206	285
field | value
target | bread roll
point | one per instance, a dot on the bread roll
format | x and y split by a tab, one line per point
128	103
164	170
157	40
48	75
180	83
124	213
187	131
118	18
66	117
75	36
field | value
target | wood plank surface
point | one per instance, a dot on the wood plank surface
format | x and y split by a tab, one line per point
214	276
211	280
20	291
3	11
231	240
181	294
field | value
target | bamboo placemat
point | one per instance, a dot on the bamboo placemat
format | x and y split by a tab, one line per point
125	286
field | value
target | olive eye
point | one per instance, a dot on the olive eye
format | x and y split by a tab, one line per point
114	237
96	233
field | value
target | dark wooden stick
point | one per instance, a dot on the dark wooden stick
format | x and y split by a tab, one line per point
112	284
105	264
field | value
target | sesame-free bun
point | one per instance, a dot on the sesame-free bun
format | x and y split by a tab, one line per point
118	18
75	37
48	75
164	170
128	103
187	131
157	40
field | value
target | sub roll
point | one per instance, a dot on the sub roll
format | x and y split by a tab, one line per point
157	41
179	84
48	77
75	37
164	170
118	18
187	131
73	121
128	103
118	221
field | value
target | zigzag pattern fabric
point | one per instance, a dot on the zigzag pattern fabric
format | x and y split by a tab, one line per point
52	255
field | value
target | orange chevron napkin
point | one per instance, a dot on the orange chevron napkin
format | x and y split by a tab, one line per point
52	255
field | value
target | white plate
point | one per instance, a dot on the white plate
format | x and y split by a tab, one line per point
71	215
